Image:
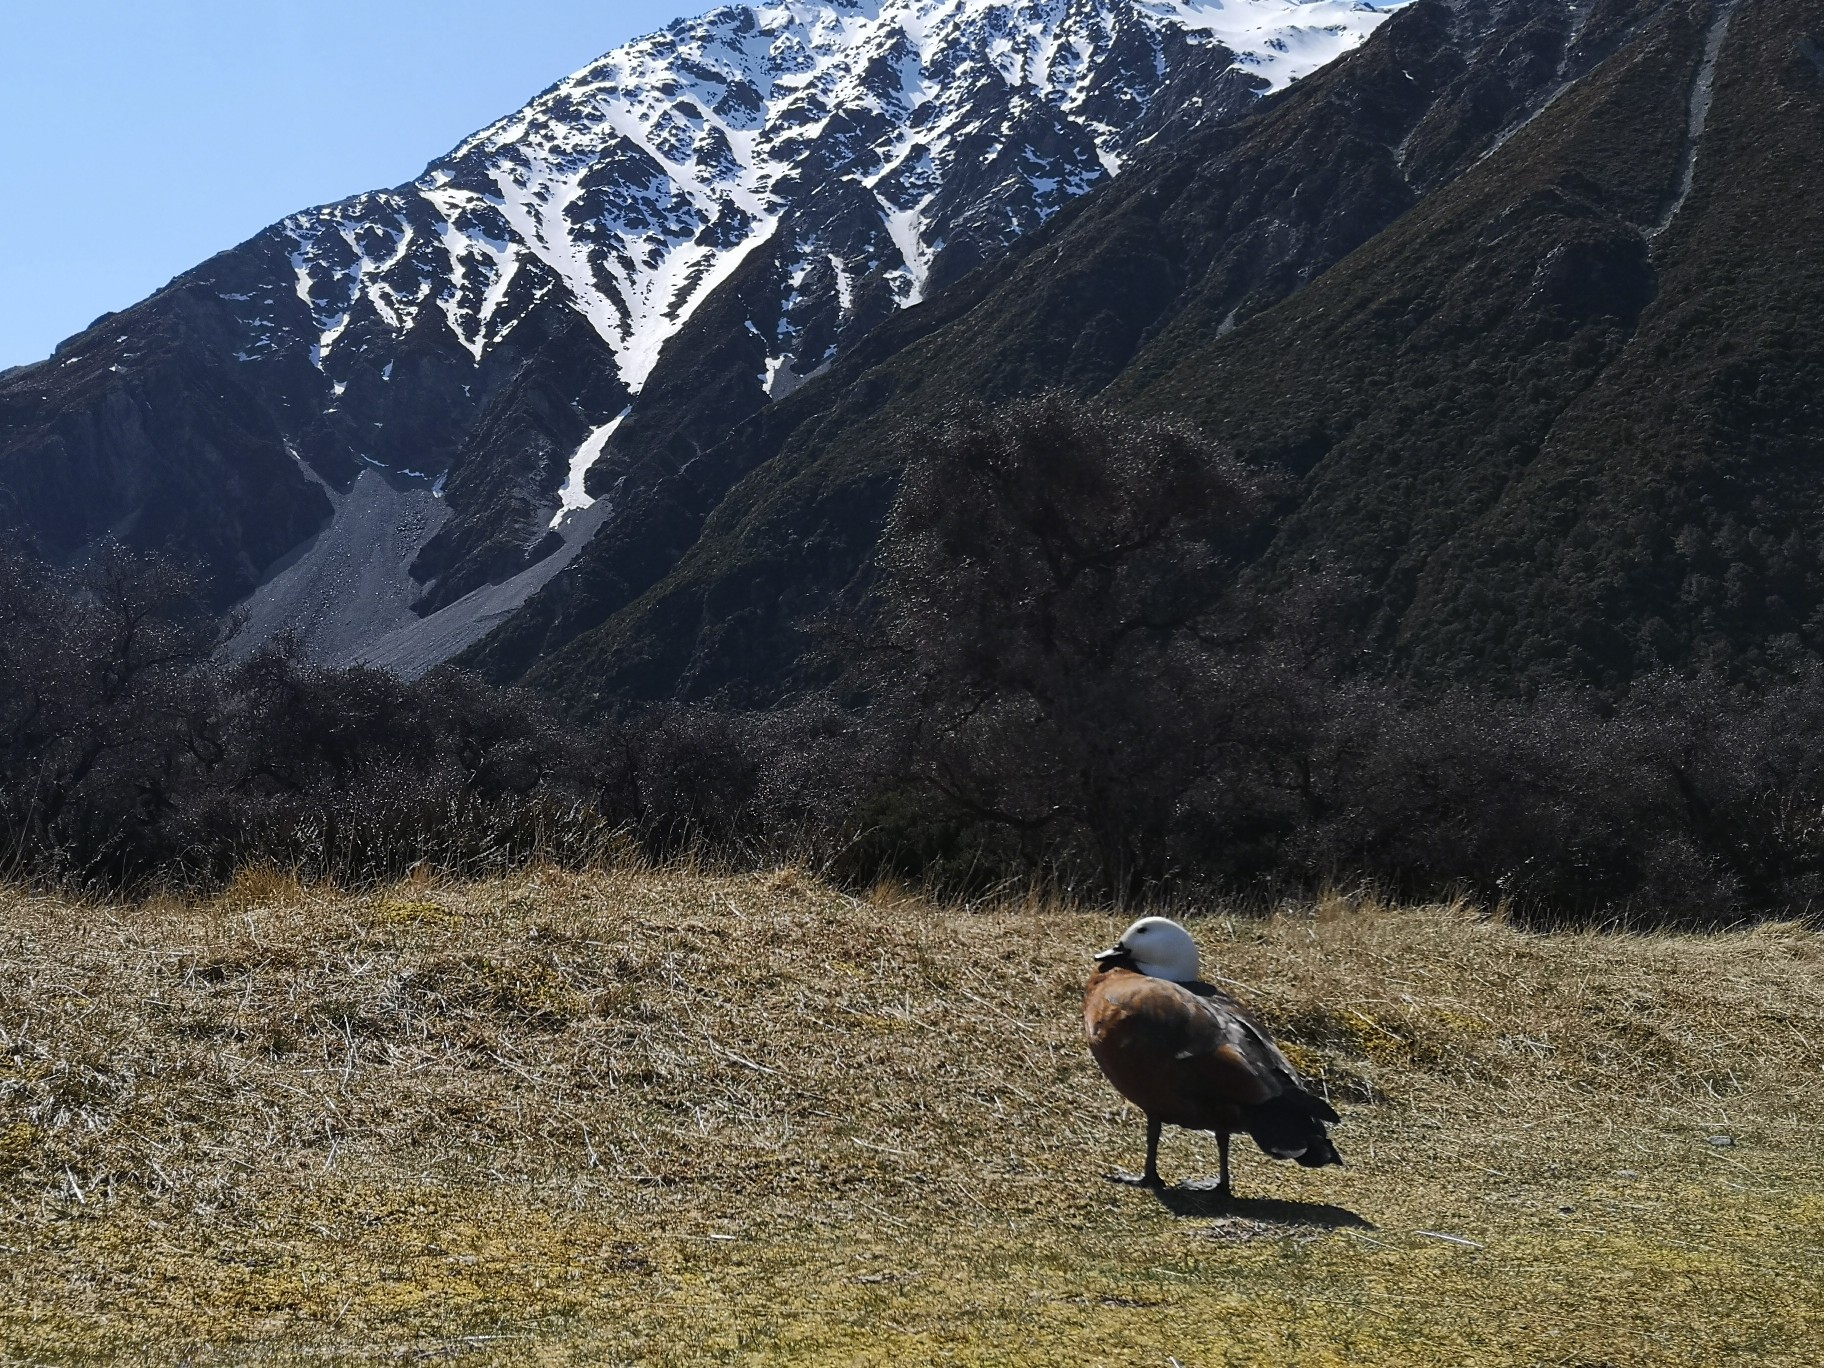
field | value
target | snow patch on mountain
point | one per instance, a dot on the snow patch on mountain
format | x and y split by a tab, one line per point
1278	41
572	497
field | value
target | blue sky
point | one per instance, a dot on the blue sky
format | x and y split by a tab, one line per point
142	138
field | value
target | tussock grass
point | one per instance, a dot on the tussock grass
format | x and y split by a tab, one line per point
675	1118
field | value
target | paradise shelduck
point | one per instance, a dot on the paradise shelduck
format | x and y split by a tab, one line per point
1187	1054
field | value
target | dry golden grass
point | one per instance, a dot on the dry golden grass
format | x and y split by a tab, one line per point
669	1118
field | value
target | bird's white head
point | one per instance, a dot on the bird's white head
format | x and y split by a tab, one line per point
1158	948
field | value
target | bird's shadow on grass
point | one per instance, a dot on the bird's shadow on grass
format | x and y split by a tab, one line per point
1194	1201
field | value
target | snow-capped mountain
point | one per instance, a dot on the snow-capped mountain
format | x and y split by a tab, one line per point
637	260
637	186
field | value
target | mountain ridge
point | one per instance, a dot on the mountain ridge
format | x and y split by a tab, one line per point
723	206
1517	307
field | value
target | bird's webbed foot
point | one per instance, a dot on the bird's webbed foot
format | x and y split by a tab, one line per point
1151	1181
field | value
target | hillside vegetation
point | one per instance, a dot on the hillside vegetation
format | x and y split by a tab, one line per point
1560	416
672	1118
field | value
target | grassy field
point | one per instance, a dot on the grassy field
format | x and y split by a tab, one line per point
669	1118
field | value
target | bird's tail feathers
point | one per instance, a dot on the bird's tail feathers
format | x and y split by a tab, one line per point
1321	1152
1291	1126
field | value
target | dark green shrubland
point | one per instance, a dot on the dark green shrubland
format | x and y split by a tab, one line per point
1060	675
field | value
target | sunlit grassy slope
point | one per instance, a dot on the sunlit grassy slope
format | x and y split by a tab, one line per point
668	1118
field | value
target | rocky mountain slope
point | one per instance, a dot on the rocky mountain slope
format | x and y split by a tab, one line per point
1521	300
384	423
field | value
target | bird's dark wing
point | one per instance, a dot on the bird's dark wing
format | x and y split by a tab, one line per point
1237	1022
1288	1120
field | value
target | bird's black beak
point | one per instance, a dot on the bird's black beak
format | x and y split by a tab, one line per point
1113	955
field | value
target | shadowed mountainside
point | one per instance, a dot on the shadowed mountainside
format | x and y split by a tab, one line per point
1564	418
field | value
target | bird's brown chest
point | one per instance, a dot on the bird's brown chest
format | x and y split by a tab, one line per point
1163	1052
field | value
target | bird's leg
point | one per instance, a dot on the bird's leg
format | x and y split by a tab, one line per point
1222	1148
1151	1177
